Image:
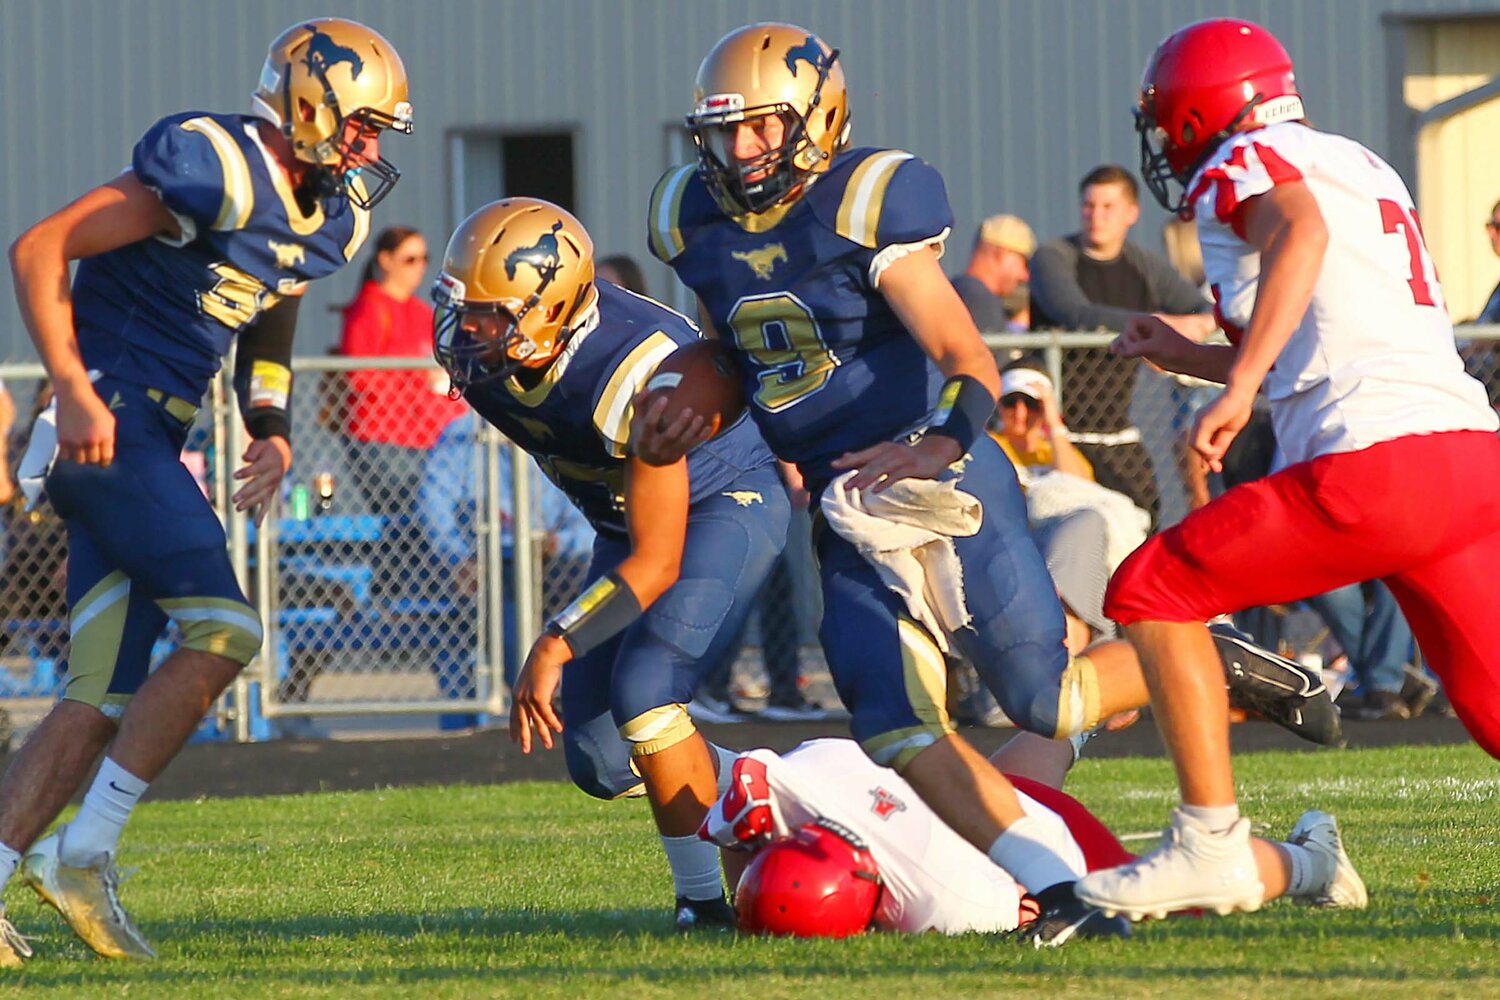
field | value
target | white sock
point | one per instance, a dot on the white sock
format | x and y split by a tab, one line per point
9	859
96	829
695	867
1308	877
1026	850
1218	819
725	759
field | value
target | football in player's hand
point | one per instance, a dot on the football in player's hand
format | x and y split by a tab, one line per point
700	376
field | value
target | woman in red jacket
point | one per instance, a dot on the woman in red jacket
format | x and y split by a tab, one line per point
393	418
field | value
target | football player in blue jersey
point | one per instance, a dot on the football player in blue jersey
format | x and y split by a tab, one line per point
553	357
819	265
212	232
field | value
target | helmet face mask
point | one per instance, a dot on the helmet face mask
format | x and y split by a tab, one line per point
517	281
761	72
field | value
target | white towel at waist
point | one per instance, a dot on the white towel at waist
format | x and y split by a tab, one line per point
906	533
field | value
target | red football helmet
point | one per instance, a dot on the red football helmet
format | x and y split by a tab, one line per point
819	882
1200	85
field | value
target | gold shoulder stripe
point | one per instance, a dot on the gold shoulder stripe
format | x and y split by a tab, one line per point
239	192
612	414
859	212
361	225
666	206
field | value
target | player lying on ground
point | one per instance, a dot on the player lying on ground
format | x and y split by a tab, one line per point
831	843
820	266
1391	465
212	232
552	357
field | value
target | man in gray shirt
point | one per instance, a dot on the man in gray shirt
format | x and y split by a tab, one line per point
1095	279
997	267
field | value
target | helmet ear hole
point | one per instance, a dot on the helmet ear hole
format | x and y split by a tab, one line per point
554	312
305	110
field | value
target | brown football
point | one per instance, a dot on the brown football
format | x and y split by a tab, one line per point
701	376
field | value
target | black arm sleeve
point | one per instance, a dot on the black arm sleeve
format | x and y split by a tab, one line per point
263	373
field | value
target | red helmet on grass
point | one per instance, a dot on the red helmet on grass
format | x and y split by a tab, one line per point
1201	84
819	882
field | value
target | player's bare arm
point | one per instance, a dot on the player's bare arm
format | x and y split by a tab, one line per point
1285	225
656	507
110	216
925	302
1156	339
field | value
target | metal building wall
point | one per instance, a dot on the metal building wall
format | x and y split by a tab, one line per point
1012	99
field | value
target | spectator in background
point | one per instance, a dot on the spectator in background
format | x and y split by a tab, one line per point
1096	278
1482	357
446	508
998	266
1491	311
622	269
392	418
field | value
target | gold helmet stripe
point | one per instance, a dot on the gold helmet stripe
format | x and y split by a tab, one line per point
859	212
239	191
612	413
666	206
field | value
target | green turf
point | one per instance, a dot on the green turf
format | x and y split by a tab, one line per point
535	890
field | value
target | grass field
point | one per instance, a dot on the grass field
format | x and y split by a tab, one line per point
535	890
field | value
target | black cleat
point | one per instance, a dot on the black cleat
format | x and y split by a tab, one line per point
1064	916
1282	691
705	915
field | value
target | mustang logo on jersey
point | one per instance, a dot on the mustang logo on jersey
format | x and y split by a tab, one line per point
809	52
745	497
323	53
762	261
886	805
288	255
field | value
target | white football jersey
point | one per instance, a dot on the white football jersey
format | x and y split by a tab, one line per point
1373	358
934	880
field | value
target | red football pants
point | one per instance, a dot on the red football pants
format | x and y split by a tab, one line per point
1421	513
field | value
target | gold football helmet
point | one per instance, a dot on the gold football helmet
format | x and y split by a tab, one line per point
517	278
324	73
759	70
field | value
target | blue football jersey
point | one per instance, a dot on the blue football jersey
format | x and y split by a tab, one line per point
576	419
828	366
161	312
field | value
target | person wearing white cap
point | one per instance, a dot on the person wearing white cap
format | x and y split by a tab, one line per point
998	266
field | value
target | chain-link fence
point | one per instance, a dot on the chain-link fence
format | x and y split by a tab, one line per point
415	553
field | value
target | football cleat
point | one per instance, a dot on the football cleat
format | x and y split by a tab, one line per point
1064	916
1283	691
14	948
88	899
704	915
1318	832
1193	868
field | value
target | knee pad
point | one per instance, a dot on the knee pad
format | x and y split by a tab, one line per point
657	729
1053	705
599	761
217	625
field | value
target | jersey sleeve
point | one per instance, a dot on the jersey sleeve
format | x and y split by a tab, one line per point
1249	167
612	407
664	224
894	204
199	172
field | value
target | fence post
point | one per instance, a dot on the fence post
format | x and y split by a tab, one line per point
233	437
488	523
523	541
1054	354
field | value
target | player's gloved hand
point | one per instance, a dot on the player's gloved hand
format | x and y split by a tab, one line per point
743	817
884	464
85	427
1219	422
266	462
656	442
531	699
1153	338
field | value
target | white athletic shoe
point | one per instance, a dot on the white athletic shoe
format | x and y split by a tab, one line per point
88	899
1344	889
14	947
1193	868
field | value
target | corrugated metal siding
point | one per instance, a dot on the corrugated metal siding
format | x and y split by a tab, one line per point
1013	101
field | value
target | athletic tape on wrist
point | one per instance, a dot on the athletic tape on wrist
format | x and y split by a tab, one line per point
964	407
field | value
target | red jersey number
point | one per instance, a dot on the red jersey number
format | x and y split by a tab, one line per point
1394	217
